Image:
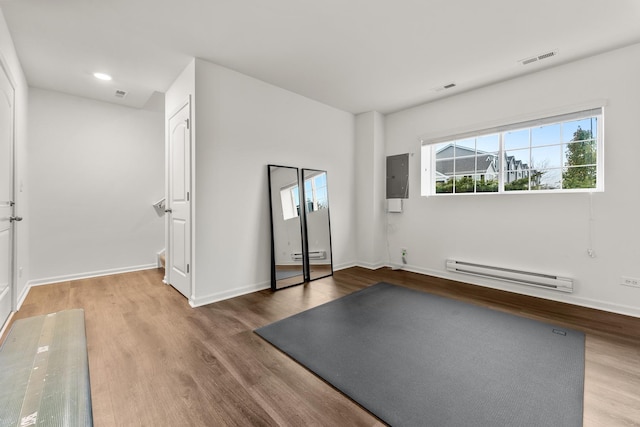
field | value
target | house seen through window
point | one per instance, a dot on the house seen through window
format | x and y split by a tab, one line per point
562	153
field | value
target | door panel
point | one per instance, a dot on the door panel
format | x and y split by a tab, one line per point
178	184
179	251
6	196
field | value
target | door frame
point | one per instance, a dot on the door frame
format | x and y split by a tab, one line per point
167	271
13	249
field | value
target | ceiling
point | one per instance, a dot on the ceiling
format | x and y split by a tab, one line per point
355	55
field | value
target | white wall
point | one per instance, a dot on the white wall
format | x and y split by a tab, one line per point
545	232
95	171
370	172
241	125
9	60
181	89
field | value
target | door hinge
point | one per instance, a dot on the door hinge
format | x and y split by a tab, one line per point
188	123
187	196
187	268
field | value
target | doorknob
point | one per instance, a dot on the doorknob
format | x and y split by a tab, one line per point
168	210
15	218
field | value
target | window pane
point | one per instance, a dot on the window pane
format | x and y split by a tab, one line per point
486	184
488	143
546	135
488	165
546	179
320	182
571	131
464	184
580	153
546	157
444	168
444	150
515	156
465	147
516	139
515	162
321	195
579	177
517	185
308	195
444	186
465	165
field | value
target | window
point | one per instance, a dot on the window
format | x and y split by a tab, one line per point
315	190
555	154
290	202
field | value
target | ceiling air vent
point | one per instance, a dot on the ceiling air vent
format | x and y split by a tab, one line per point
120	93
539	57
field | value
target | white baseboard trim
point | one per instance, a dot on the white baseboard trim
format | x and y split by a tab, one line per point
88	275
232	293
544	294
6	323
23	296
344	266
372	266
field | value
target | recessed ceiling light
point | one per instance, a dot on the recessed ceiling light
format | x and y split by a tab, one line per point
102	76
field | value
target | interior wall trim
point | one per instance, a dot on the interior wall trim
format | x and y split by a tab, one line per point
368	265
89	274
231	293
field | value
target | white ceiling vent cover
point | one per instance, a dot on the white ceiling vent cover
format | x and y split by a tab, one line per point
539	57
121	93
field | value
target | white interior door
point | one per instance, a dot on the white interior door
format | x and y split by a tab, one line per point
179	202
6	197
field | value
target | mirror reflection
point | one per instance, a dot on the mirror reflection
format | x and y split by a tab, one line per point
318	228
287	261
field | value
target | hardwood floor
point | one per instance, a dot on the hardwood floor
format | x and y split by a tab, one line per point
154	361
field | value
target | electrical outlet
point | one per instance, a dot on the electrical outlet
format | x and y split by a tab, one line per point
404	252
630	281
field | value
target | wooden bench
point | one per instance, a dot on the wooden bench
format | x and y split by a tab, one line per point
44	372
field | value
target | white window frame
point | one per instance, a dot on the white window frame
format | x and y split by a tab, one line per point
428	158
287	198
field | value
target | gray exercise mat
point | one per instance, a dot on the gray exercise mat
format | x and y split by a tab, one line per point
416	359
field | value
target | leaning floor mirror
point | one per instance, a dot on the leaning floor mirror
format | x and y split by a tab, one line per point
317	224
287	261
300	232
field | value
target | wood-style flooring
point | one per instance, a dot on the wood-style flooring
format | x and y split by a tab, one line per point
155	361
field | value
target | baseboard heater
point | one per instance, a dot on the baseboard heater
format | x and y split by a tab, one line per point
547	281
297	256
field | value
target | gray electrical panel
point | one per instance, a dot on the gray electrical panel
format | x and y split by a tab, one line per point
398	176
